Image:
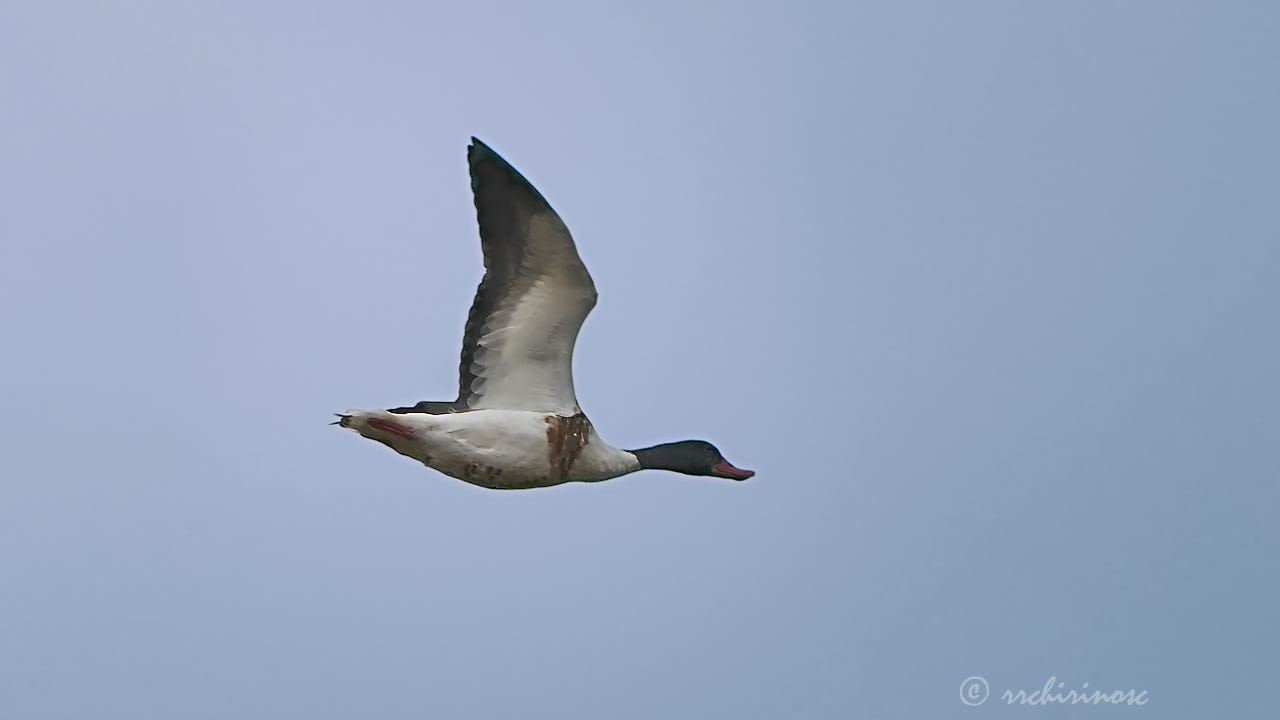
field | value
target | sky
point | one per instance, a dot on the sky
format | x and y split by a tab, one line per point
984	292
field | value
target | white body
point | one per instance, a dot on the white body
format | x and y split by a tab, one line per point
498	449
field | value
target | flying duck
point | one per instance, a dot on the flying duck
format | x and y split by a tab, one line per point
516	423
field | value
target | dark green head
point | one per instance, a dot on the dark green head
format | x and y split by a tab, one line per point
691	457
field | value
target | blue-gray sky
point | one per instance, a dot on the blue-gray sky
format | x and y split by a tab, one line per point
985	292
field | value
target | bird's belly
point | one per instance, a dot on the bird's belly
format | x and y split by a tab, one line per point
505	470
501	450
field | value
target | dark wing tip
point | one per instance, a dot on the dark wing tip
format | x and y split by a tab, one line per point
488	166
478	153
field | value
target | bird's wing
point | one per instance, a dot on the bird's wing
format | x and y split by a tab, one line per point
517	350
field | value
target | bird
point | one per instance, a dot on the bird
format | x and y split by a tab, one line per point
516	423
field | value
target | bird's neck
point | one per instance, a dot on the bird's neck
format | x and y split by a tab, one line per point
656	457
